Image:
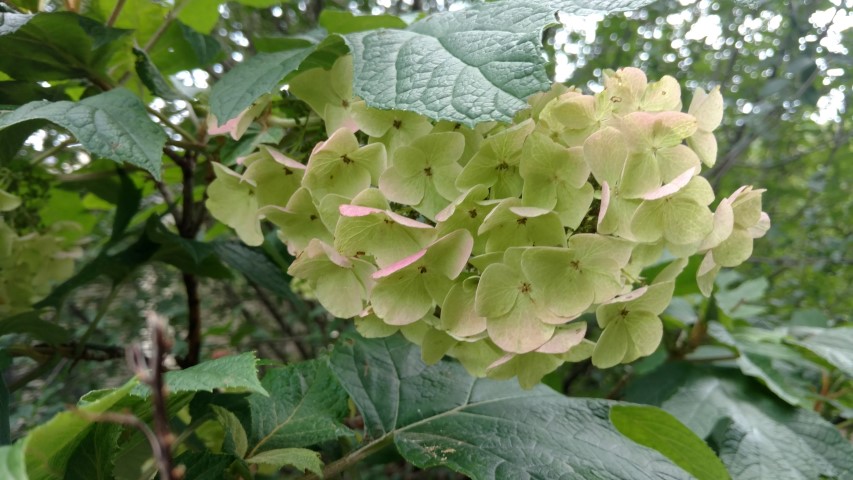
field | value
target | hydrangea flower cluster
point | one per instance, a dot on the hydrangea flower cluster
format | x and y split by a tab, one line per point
31	264
489	244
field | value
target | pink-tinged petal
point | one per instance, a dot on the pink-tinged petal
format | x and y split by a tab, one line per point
529	212
331	253
399	265
350	124
357	211
707	264
672	187
501	361
605	202
760	229
406	221
629	296
317	147
445	213
283	159
564	340
227	127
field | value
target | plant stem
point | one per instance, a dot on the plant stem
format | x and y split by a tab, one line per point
51	151
194	322
178	129
353	458
97	353
116	12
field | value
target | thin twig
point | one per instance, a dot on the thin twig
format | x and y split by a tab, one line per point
267	302
116	12
92	352
177	128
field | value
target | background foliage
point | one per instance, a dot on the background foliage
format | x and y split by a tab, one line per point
768	357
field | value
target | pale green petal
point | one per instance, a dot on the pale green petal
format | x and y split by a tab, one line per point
330	210
686	222
557	281
706	274
665	94
606	153
234	203
705	146
371	326
734	250
458	315
673	161
473	139
697	190
341	77
645	331
519	331
476	356
8	202
402	188
573	205
723	225
449	254
435	345
647	223
299	222
529	368
564	339
612	346
641	175
401	298
497	291
707	108
747	208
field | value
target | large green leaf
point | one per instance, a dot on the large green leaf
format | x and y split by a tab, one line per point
756	435
468	66
305	407
658	429
761	354
112	125
93	457
834	345
241	86
440	415
55	46
233	372
50	446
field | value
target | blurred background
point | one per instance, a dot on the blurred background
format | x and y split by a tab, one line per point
785	70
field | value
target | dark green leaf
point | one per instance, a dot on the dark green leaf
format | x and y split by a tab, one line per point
235	441
659	430
129	198
205	47
835	345
234	373
301	459
55	46
440	415
255	265
756	435
152	78
16	93
346	22
246	82
187	255
30	323
469	66
112	125
50	446
204	465
277	44
93	457
763	355
305	406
